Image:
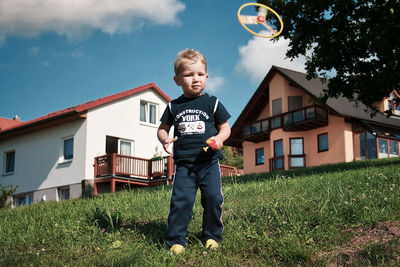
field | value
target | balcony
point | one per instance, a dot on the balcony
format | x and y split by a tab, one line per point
306	118
303	119
116	171
257	132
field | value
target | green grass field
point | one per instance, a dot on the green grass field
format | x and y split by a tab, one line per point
343	214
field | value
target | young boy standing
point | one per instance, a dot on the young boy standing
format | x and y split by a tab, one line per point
196	117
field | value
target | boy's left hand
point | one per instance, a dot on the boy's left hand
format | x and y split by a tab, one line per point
218	143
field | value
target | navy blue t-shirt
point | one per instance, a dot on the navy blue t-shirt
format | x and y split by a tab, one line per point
194	120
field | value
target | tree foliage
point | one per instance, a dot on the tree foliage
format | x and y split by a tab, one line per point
355	43
231	158
5	192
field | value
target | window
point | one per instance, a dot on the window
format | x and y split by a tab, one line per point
323	144
63	193
148	112
119	146
294	102
383	148
371	146
394	148
68	149
276	106
259	156
23	200
296	158
278	155
9	162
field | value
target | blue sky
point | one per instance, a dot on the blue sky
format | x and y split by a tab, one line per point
58	54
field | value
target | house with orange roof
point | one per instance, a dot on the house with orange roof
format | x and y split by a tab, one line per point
285	126
101	145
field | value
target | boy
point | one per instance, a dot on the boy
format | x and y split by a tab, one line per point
196	117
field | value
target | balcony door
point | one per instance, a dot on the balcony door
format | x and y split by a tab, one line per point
119	146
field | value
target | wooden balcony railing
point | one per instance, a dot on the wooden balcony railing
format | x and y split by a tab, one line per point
127	166
302	119
306	118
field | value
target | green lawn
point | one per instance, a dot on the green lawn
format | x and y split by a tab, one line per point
334	214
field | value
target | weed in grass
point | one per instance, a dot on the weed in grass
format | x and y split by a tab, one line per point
107	219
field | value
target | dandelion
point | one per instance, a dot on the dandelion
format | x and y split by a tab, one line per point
346	202
385	199
56	225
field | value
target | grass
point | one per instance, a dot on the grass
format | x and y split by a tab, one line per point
342	214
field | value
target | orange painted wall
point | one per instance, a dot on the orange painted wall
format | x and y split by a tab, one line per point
340	136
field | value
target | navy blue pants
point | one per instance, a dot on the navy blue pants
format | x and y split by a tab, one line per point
188	178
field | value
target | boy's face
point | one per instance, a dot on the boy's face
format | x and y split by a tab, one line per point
192	79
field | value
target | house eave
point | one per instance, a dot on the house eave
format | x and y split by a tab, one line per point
42	124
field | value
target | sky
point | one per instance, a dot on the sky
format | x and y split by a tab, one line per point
59	54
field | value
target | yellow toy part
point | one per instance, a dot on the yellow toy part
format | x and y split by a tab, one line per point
260	19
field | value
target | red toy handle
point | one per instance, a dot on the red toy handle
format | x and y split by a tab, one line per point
212	143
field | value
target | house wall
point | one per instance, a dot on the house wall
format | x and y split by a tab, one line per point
38	165
340	136
122	119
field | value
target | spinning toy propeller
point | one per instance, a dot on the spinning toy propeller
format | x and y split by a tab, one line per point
261	19
211	143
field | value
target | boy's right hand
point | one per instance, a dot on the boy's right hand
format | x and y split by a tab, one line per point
167	142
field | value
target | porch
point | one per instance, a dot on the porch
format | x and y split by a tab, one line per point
113	172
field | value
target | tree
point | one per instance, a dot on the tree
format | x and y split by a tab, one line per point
231	158
5	192
354	43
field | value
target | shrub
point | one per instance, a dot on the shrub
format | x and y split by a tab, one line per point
5	192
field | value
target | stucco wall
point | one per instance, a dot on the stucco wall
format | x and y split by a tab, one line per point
37	158
121	119
340	137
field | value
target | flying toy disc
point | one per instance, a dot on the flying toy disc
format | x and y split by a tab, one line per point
260	19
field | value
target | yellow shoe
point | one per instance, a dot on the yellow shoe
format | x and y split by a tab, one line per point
177	249
212	244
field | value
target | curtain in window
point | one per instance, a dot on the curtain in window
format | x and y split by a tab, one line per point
383	148
394	148
152	114
143	112
125	148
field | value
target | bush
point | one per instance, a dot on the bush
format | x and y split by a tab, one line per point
5	192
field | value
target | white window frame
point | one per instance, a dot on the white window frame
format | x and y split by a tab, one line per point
59	190
62	152
127	141
5	162
148	104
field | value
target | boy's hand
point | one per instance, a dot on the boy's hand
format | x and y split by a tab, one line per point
217	143
167	142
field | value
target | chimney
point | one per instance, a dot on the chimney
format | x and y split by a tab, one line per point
16	118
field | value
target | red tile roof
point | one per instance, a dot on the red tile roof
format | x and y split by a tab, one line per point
83	108
7	123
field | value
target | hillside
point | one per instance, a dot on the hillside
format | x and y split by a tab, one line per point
330	215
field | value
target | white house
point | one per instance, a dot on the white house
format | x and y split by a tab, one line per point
53	157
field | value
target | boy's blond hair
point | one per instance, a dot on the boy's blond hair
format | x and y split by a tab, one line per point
188	55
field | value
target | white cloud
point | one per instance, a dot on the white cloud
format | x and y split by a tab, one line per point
257	57
215	83
72	18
